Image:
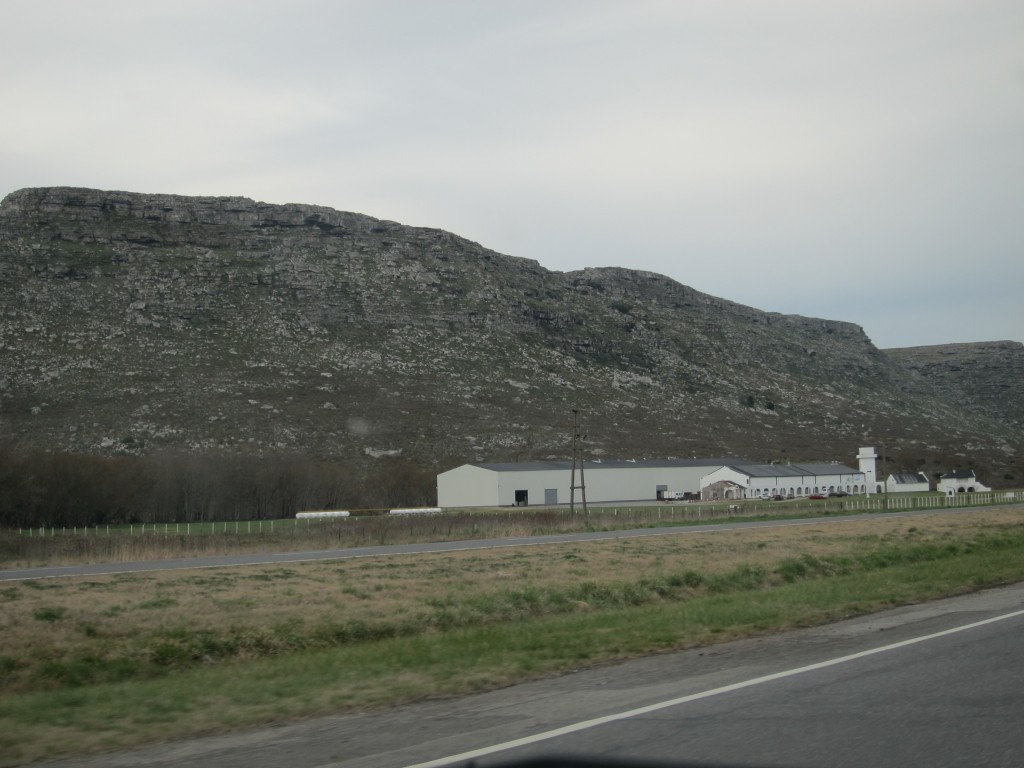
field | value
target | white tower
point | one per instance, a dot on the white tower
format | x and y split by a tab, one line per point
868	465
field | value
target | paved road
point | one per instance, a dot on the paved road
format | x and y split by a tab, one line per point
940	684
952	699
97	569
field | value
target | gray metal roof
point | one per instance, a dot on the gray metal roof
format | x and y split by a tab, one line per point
958	474
540	466
909	478
793	470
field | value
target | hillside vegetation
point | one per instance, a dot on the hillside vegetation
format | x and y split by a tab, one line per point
134	324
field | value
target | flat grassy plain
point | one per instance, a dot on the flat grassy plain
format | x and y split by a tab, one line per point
36	547
29	548
95	663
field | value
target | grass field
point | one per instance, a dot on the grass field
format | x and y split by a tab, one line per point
99	662
26	548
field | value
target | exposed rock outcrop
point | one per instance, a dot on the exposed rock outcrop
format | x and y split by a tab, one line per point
986	378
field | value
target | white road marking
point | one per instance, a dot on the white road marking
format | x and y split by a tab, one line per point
593	723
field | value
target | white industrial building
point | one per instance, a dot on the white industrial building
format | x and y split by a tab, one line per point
960	481
907	482
548	482
757	481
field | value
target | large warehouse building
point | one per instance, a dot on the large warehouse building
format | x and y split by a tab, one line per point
549	482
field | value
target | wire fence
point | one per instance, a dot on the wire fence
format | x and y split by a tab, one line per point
547	517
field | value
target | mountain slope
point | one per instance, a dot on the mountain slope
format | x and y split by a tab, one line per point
985	378
133	323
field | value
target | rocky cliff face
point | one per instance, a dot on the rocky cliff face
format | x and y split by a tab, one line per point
986	378
132	323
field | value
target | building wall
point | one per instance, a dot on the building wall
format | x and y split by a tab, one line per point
471	486
640	483
894	487
467	486
807	485
909	488
535	483
796	486
961	485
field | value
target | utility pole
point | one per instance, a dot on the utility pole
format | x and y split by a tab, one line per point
577	457
885	479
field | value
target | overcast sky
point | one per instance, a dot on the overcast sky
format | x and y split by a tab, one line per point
859	161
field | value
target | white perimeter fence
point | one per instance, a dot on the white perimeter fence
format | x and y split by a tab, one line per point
648	513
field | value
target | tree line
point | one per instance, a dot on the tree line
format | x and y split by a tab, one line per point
39	488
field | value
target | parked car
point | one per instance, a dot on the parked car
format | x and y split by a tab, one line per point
778	497
838	493
816	496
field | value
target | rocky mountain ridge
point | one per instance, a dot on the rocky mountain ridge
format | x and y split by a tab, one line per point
985	377
137	323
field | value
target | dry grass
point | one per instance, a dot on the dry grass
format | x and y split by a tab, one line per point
78	630
26	549
69	546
